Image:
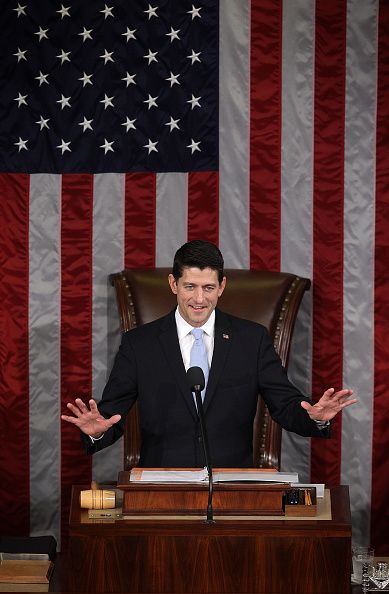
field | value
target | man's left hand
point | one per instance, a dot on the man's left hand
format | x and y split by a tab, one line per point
329	404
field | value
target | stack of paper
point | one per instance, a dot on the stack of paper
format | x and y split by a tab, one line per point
219	475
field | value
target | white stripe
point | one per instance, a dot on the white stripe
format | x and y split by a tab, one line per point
44	354
108	257
358	366
296	198
171	215
234	148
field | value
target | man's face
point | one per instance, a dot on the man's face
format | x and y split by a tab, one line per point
197	294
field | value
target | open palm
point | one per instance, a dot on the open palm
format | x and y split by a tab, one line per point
89	420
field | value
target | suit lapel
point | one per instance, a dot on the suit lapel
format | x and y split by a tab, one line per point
222	345
171	347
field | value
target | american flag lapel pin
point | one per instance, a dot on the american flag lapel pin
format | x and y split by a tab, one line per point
226	336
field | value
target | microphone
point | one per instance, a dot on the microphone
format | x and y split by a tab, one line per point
196	380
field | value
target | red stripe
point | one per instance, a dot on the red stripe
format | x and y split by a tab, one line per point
76	324
265	133
14	385
328	191
203	206
139	234
380	462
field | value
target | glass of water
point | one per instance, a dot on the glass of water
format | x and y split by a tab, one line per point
361	555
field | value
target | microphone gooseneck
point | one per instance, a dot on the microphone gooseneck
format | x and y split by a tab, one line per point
196	380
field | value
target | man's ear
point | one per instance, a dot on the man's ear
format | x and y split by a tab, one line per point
222	286
172	284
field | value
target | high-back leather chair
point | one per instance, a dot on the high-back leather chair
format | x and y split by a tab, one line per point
270	298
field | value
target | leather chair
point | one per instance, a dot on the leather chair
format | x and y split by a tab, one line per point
270	298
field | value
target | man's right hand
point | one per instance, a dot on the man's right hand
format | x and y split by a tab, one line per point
89	420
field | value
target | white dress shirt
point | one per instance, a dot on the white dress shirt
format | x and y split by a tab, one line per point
186	339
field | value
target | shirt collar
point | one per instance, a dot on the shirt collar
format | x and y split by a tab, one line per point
183	328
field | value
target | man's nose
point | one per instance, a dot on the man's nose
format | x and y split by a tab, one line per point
199	293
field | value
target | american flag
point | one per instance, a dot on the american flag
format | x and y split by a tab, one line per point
292	173
92	87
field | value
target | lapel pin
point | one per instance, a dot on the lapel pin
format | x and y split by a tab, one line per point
226	336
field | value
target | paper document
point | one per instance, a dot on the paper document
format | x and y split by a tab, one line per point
221	475
319	487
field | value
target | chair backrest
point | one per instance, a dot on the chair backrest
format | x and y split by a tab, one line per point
270	298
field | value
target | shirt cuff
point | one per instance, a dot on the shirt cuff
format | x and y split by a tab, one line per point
320	424
93	439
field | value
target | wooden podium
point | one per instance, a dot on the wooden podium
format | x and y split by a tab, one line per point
239	553
244	498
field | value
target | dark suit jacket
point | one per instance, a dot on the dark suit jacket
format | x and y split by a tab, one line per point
149	367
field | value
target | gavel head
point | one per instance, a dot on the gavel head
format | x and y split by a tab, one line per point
98	499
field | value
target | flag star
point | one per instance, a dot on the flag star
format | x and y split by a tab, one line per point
64	146
195	12
20	54
107	101
21	144
173	34
41	33
21	99
64	101
173	124
86	34
151	146
173	79
194	101
42	122
151	57
129	124
129	34
151	101
107	146
194	56
42	78
86	79
194	146
151	11
64	11
64	56
129	78
107	56
107	11
86	124
20	10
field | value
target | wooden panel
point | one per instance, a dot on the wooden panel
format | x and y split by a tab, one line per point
275	556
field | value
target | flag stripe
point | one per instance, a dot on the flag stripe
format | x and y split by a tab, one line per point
265	133
139	220
14	401
203	206
234	91
171	215
296	199
358	371
380	472
44	348
108	257
76	322
330	59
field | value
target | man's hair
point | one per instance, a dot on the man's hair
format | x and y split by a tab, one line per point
198	254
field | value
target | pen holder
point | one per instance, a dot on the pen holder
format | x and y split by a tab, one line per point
95	498
301	502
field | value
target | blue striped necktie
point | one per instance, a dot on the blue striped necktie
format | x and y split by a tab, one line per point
198	355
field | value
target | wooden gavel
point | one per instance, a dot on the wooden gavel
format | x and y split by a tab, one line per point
96	498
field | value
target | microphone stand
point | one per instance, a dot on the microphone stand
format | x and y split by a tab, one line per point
204	437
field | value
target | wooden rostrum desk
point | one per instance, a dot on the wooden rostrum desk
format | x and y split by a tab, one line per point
236	554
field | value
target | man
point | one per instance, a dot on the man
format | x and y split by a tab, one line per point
237	354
